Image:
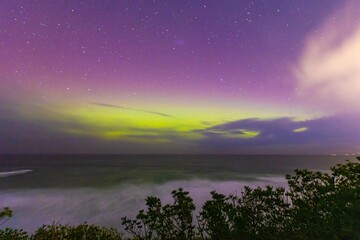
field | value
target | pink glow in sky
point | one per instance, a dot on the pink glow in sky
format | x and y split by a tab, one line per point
179	76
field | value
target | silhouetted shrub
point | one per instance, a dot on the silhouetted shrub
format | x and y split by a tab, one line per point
5	214
171	221
326	206
13	234
256	214
80	232
316	205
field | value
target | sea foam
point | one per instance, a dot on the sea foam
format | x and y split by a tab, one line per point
11	173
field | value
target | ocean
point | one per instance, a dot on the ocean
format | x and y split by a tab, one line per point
100	189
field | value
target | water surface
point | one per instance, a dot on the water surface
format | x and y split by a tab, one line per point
102	188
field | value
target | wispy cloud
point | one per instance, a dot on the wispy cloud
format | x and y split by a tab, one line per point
131	109
329	68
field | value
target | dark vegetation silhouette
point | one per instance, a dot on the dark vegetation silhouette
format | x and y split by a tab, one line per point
315	205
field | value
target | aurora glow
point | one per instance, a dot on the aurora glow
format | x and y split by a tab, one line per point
179	76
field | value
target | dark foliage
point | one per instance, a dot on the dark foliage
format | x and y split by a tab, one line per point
171	221
316	205
256	214
13	234
63	232
5	214
80	232
326	206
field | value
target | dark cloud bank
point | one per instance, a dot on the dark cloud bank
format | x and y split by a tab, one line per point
322	135
333	134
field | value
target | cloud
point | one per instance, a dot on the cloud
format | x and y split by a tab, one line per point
66	134
131	109
24	136
328	71
327	132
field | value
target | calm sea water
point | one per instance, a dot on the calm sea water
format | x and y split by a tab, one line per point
103	188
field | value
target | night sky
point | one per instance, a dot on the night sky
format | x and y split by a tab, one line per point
198	76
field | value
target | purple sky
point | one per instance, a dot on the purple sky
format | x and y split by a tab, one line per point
180	76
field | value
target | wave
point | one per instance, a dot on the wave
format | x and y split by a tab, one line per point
12	173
